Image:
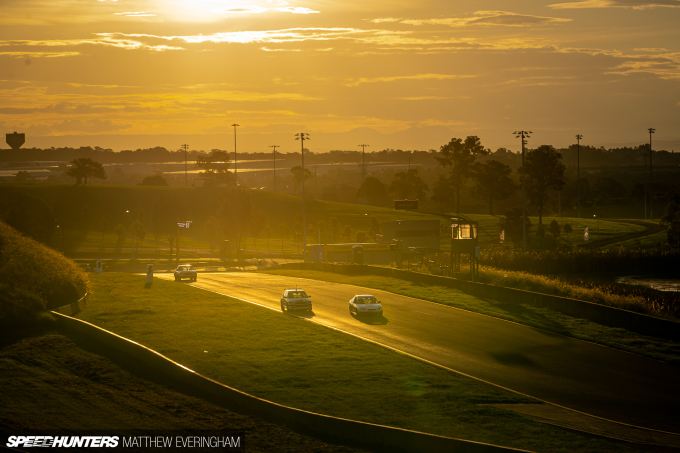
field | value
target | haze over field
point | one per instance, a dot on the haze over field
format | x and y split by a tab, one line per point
139	73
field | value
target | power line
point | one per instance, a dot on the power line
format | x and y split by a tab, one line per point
302	137
579	137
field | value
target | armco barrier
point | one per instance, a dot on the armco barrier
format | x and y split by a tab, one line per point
75	307
368	434
602	314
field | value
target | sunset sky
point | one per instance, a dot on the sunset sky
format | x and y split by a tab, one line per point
428	70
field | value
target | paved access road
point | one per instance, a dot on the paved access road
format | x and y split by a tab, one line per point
578	375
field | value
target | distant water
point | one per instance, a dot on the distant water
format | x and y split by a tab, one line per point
658	283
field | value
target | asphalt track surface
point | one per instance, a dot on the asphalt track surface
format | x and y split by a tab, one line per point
575	374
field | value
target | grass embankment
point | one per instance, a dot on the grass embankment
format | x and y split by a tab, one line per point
52	385
542	318
34	277
290	361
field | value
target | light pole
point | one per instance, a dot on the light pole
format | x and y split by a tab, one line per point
302	137
186	177
651	190
132	227
579	137
235	160
274	146
524	135
363	163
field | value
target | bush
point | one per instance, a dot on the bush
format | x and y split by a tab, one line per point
34	277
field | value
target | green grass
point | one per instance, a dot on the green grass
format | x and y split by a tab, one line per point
290	361
52	384
647	242
542	318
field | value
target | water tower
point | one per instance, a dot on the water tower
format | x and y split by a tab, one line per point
16	140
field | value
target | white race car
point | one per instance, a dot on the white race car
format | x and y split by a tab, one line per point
295	299
365	305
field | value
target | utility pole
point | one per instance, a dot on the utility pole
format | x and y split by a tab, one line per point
235	160
363	163
579	137
651	187
315	197
274	146
644	179
524	135
302	137
186	177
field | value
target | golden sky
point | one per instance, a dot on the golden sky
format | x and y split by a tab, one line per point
607	69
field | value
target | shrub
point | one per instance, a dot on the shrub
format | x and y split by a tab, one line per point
34	277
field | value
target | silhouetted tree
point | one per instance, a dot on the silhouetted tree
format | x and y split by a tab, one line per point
543	170
458	156
671	220
555	230
154	180
297	177
361	236
283	231
493	182
374	192
442	193
334	226
408	185
83	168
215	168
22	177
512	225
347	232
567	229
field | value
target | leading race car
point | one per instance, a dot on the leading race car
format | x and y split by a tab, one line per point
295	299
185	271
365	305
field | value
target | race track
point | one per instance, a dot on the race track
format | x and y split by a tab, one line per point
575	374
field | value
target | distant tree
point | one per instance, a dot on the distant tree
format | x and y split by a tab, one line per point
31	216
408	185
140	232
215	168
105	227
347	232
154	180
258	222
512	225
544	170
165	214
330	194
442	193
83	168
210	231
236	213
555	230
458	156
267	234
361	236
375	226
671	220
22	177
297	177
373	191
540	234
567	229
120	232
322	226
493	181
297	231
334	226
283	231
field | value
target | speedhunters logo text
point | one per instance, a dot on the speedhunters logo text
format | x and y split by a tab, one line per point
209	441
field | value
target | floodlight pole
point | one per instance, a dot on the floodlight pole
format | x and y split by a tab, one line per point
235	159
523	135
274	146
186	177
651	190
302	137
579	137
363	163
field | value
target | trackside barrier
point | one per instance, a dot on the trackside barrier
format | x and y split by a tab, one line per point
602	314
75	307
395	439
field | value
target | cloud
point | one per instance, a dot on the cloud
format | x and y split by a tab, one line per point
361	80
489	18
633	4
296	10
94	125
40	54
387	19
280	50
104	40
256	9
134	14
